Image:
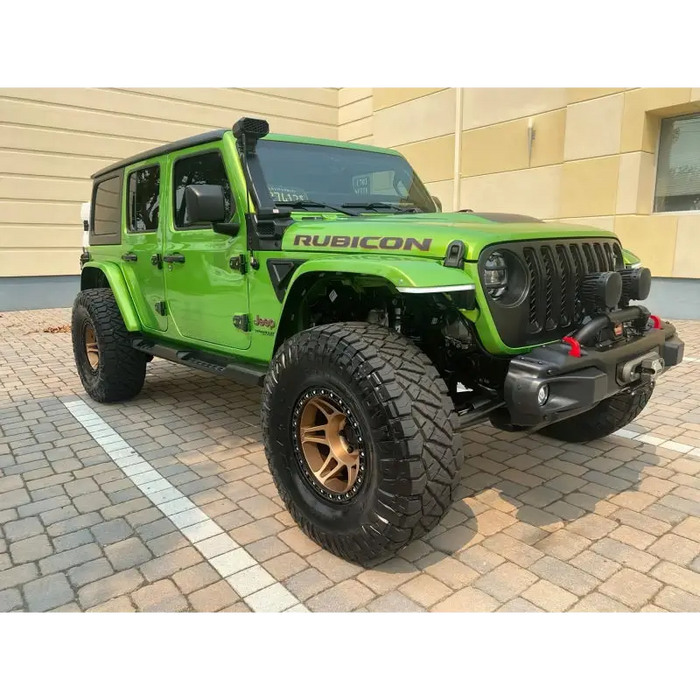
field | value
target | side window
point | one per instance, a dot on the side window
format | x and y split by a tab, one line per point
204	169
144	199
106	208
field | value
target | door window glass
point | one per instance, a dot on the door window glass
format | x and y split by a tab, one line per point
201	169
144	199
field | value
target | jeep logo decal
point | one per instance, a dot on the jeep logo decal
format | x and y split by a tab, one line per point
364	242
264	322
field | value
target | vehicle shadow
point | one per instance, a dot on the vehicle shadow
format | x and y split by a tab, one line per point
528	486
524	486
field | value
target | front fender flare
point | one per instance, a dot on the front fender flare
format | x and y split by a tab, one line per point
630	259
116	282
406	275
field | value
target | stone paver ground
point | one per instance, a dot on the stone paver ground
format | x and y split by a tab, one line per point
612	525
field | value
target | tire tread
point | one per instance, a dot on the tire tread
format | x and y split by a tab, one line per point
416	399
607	417
123	368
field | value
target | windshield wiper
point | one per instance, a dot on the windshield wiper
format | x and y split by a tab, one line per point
306	203
374	206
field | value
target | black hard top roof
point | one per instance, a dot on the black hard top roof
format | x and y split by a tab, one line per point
163	150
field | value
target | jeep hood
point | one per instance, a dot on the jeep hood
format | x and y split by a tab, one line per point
426	235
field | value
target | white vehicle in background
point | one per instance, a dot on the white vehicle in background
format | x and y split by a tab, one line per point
85	216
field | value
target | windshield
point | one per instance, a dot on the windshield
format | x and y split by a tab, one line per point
341	177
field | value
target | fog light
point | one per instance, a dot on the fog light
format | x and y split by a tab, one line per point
601	291
543	395
636	283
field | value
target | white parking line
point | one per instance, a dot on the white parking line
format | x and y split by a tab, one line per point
651	439
247	578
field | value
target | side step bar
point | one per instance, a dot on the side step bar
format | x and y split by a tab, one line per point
248	373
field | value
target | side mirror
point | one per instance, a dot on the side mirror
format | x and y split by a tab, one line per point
438	203
205	203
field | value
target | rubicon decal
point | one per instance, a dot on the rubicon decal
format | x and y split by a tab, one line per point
364	242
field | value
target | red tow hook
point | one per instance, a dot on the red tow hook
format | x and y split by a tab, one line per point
574	345
655	320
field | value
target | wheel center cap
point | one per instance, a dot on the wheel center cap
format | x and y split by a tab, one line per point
350	436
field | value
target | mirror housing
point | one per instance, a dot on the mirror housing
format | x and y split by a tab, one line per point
205	203
438	203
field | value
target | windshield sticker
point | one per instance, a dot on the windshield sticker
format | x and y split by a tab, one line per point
364	242
360	184
287	194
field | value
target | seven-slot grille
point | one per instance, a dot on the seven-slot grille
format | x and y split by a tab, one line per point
556	271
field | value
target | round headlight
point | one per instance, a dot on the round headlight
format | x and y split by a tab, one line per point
505	278
496	275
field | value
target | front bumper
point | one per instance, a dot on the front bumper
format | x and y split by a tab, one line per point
577	384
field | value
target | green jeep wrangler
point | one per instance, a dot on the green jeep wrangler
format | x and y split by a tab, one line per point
377	326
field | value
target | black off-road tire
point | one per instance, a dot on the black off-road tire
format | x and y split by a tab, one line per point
607	417
121	369
411	435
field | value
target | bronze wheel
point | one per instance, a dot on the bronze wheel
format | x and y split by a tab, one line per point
92	351
342	388
110	368
328	445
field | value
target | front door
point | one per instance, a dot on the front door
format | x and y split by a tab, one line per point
142	243
204	293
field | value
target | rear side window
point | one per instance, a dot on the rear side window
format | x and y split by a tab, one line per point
201	169
106	208
144	199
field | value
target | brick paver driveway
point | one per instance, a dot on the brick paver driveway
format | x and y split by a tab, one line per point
540	525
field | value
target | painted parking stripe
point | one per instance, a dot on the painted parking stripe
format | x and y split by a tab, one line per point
651	439
663	441
243	573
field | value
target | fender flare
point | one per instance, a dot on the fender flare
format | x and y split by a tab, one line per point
406	275
630	259
116	282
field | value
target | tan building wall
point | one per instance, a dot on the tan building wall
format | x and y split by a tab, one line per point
592	161
593	158
52	140
355	107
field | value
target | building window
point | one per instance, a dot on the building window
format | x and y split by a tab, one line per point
144	199
678	169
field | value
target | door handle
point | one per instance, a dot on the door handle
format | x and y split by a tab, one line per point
174	258
129	257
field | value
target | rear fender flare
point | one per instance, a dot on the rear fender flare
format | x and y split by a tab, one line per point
107	274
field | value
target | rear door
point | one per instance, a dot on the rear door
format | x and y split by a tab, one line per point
206	297
142	242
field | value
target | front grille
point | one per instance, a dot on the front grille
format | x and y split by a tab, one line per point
552	306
